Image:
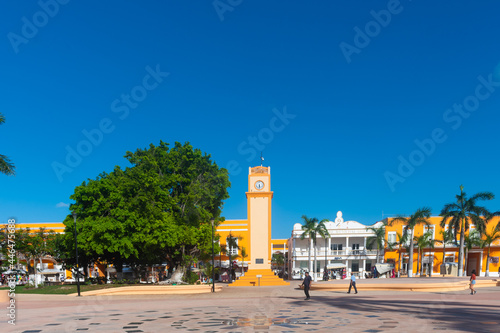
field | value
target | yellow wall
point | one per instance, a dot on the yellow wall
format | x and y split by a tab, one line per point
438	248
236	228
57	227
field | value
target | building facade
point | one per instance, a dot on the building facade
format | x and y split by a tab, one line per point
435	253
344	252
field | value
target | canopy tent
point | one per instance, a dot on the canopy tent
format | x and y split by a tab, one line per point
335	266
384	268
51	271
15	271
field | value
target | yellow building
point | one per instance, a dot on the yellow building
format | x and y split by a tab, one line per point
254	233
432	256
48	267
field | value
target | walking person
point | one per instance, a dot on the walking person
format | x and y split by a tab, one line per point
472	282
307	284
353	284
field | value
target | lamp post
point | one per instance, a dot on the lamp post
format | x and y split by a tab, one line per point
213	258
76	251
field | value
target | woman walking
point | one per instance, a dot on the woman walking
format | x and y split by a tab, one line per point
473	282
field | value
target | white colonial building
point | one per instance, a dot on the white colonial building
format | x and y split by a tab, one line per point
344	252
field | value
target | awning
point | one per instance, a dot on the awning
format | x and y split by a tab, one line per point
51	271
384	268
15	271
335	266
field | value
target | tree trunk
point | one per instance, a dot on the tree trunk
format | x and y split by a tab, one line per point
315	265
487	263
422	262
466	259
418	261
410	259
399	262
444	257
461	250
178	274
230	273
309	255
34	272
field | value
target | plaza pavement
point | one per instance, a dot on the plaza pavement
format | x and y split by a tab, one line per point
271	309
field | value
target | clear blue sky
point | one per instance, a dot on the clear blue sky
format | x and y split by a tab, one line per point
359	81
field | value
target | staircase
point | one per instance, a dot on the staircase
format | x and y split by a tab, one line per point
267	278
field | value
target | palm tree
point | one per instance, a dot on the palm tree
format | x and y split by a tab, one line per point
447	237
489	237
460	213
311	228
6	166
378	239
223	251
243	255
470	240
278	259
231	245
423	241
419	217
400	243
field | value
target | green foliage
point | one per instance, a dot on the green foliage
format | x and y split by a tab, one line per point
190	277
158	209
420	216
461	213
377	240
6	166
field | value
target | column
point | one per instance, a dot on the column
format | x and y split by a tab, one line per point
348	267
311	263
363	270
364	243
329	244
294	253
481	265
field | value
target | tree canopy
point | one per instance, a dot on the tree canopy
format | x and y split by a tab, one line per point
6	166
156	210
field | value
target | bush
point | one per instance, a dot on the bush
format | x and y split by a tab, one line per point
190	277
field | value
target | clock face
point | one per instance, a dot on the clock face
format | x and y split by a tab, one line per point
259	185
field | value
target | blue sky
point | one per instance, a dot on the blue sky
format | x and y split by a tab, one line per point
370	108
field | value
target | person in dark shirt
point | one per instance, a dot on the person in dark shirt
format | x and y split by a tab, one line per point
307	284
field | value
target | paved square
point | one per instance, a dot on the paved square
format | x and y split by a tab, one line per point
263	309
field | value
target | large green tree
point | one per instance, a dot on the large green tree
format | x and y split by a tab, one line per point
460	214
421	216
158	209
6	166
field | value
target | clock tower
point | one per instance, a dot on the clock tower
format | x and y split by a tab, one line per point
259	198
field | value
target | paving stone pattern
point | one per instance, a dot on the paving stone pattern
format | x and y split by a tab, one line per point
264	311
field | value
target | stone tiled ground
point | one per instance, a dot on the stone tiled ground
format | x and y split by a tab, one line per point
263	309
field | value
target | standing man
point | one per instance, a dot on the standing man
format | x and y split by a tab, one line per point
353	284
307	284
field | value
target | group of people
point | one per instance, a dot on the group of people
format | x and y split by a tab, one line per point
307	285
20	279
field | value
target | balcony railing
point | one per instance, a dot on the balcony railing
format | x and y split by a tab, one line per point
336	253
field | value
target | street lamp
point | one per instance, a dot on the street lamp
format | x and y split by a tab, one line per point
76	251
213	258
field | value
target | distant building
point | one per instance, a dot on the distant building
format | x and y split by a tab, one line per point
432	255
345	250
